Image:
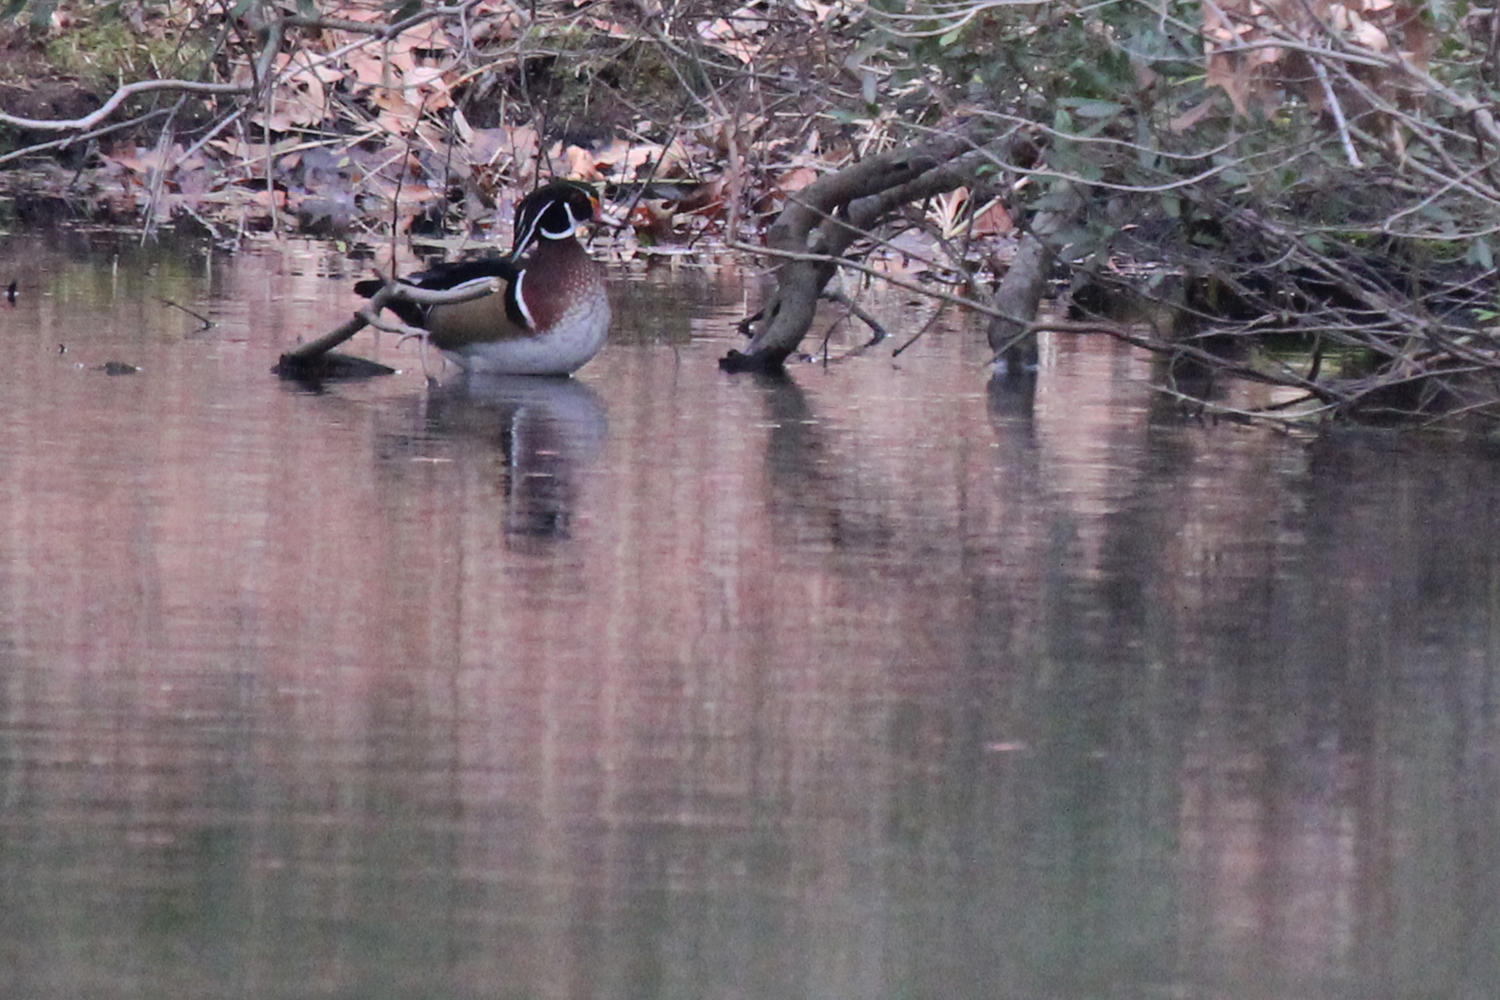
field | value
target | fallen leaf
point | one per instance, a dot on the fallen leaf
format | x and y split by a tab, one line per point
796	179
992	220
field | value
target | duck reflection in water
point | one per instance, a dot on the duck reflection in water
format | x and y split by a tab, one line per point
543	429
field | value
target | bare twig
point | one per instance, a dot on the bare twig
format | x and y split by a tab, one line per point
119	97
207	323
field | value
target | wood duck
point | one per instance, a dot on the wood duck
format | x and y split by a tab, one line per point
553	314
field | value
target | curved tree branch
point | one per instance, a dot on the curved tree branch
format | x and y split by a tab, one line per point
120	97
824	219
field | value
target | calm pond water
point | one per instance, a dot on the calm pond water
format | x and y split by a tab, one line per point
662	683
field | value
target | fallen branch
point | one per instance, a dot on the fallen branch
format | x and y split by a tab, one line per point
118	98
303	356
825	218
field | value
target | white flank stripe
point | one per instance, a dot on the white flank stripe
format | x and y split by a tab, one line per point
521	300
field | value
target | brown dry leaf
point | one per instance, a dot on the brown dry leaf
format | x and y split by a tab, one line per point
622	158
365	13
498	27
263	198
796	179
652	220
950	211
744	132
255	152
517	144
628	161
397	115
368	69
1240	74
578	163
1193	115
429	36
428	87
992	220
820	12
395	59
735	34
610	28
675	161
413	194
1258	77
126	156
299	98
434	136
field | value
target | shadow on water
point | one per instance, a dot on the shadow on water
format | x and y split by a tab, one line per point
869	681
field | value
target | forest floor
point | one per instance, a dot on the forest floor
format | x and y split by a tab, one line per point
436	130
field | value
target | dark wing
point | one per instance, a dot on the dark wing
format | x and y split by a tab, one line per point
448	275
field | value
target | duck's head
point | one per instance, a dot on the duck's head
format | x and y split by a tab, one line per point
554	211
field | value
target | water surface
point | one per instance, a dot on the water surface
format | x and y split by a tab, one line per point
872	682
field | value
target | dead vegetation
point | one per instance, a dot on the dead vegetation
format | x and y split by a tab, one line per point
1307	191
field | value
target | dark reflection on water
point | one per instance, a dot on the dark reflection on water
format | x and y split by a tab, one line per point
868	682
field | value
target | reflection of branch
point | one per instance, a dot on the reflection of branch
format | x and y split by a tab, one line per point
877	332
931	321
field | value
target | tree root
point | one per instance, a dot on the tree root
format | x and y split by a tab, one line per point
824	219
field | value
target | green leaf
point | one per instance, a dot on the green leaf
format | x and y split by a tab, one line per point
1480	254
